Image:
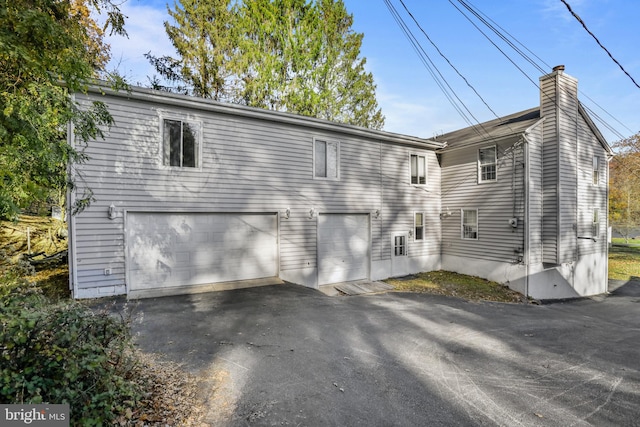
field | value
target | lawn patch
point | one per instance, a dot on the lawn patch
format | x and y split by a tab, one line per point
457	285
624	262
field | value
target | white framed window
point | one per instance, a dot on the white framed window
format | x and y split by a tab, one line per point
418	226
469	224
487	164
418	169
181	143
596	171
400	245
595	224
326	159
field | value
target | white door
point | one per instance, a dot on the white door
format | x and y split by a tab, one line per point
172	249
343	248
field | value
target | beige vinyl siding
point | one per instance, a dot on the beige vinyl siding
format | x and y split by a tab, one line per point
247	165
495	203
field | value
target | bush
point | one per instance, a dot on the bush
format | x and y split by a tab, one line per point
64	353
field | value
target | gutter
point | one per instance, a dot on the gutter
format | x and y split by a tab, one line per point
185	101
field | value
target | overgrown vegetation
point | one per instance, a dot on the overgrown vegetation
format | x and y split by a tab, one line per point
458	285
56	350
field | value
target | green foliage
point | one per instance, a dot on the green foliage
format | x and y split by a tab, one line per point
286	55
44	43
63	353
624	182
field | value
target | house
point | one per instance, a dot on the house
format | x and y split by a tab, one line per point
525	197
193	195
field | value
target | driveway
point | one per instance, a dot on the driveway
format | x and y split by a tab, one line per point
287	355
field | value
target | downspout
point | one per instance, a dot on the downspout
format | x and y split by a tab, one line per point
71	220
527	206
558	177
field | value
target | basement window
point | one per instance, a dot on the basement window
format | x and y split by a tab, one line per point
180	144
400	245
487	164
469	224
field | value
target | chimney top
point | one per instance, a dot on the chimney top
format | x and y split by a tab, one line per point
558	68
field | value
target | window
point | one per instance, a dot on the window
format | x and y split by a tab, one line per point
400	245
487	164
595	226
596	171
418	169
418	225
181	144
469	223
326	162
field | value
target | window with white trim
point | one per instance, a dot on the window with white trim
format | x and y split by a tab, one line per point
469	224
180	143
400	245
326	159
418	169
596	171
488	164
595	224
418	226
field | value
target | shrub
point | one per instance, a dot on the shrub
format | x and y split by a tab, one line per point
64	353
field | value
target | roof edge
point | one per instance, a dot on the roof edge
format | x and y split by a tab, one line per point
594	128
178	100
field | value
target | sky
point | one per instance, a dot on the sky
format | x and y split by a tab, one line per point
411	99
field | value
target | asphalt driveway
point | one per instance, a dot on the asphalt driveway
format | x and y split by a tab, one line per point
287	355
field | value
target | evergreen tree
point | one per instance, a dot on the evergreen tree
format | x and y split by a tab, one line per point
202	37
298	56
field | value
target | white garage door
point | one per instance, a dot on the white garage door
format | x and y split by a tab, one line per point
343	248
169	249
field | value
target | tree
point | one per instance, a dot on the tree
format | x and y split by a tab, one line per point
624	183
50	48
286	55
202	36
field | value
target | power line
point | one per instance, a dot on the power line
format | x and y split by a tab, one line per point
598	41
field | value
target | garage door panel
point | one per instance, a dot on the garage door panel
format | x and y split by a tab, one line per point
343	247
166	250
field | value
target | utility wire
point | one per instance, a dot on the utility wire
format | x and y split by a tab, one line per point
441	81
598	41
447	59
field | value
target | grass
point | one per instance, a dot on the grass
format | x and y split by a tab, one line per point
457	285
624	262
620	241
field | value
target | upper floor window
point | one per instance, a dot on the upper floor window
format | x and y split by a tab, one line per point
418	169
595	225
596	170
326	159
469	224
487	164
418	225
180	143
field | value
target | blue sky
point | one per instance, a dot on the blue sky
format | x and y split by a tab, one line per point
410	98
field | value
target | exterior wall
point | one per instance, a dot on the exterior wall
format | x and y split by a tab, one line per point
249	164
534	214
497	202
